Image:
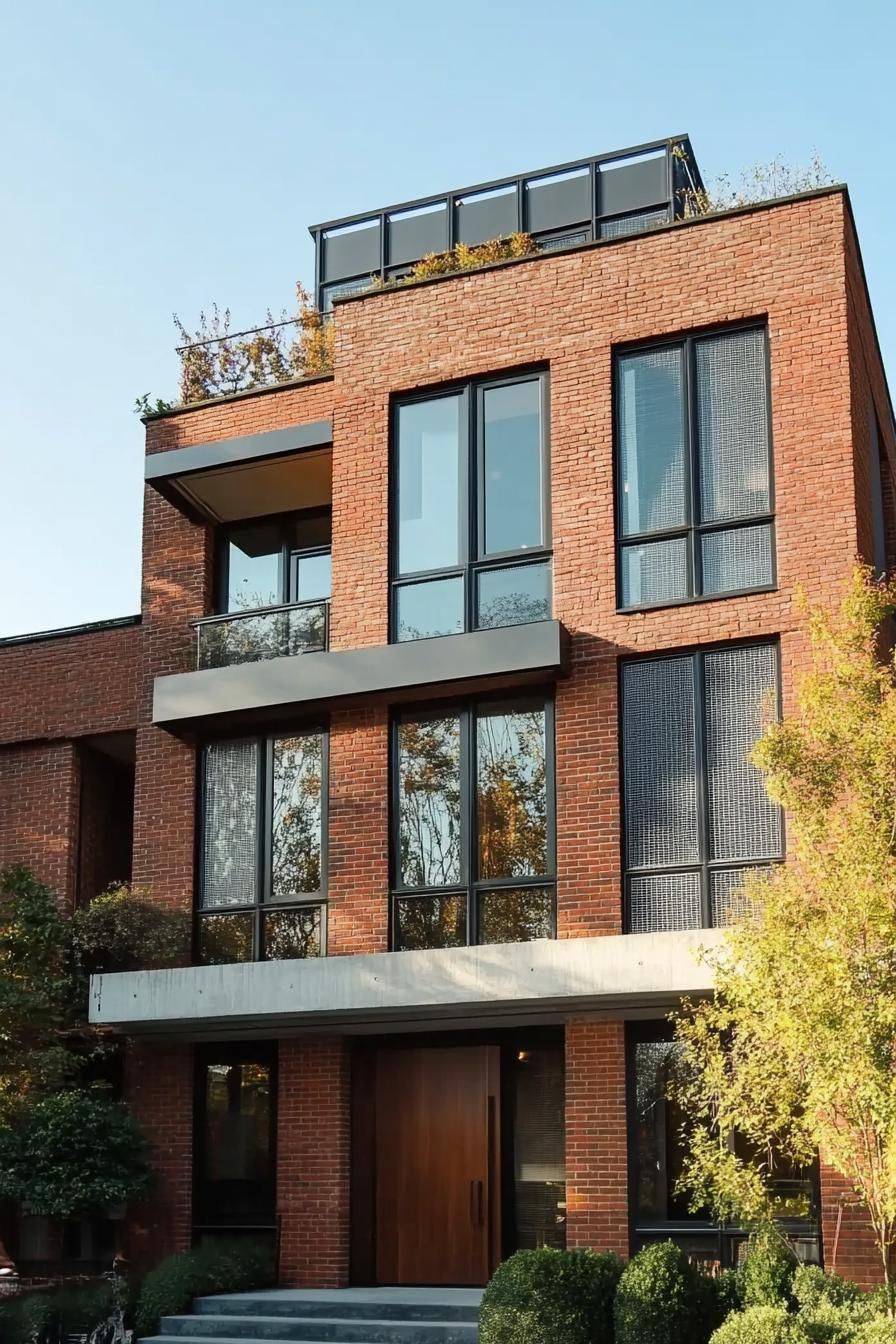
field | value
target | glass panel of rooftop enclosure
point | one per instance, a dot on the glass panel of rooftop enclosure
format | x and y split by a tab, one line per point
609	196
694	469
473	825
470	495
262	852
273	583
696	814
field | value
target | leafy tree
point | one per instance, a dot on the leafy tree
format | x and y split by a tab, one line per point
795	1050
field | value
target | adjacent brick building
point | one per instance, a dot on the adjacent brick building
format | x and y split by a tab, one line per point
451	814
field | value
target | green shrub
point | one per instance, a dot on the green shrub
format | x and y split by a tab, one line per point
169	1289
880	1330
561	1296
768	1271
761	1325
811	1285
663	1299
72	1153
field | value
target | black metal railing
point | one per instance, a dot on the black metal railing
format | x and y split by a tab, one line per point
265	632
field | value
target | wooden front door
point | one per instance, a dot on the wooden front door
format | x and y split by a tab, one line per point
436	1172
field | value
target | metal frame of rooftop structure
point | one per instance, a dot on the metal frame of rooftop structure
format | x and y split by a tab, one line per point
608	196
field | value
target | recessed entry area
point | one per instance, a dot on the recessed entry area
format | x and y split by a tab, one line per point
457	1154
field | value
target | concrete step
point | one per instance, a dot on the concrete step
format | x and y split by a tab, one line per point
320	1330
457	1304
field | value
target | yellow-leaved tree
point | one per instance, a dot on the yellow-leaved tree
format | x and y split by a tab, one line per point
795	1052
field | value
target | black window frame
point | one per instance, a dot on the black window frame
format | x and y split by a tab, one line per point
289	554
705	865
210	1204
471	888
262	905
728	1237
471	494
692	530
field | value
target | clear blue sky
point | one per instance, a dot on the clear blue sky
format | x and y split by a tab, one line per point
161	154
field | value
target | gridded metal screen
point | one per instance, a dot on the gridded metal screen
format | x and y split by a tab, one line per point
732	425
654	571
664	901
229	839
736	559
659	763
743	821
652	477
727	895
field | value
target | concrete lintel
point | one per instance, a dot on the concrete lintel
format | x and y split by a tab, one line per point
623	973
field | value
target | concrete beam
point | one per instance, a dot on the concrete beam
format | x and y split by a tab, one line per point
620	975
515	653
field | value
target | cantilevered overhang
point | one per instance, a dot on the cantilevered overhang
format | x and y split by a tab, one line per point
249	476
624	975
252	692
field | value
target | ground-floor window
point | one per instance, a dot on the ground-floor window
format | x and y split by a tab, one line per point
658	1209
538	1139
234	1169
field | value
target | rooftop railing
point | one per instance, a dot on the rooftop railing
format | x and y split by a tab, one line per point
266	632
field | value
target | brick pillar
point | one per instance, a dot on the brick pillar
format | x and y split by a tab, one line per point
159	1091
596	1147
846	1237
313	1151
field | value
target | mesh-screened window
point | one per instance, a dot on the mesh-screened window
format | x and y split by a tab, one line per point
262	849
473	825
697	815
694	469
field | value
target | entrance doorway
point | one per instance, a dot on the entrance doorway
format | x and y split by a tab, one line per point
436	1118
457	1155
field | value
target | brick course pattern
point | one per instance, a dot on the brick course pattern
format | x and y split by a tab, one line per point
596	1170
159	1091
313	1128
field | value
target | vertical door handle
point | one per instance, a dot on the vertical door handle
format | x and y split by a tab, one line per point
479	1203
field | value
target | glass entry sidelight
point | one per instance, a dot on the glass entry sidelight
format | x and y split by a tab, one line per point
234	1172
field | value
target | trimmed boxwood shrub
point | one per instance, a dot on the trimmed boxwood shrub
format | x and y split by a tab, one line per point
768	1272
812	1286
879	1331
169	1289
551	1297
761	1325
663	1299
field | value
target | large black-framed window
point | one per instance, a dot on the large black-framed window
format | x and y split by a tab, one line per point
262	848
695	502
272	561
659	1209
473	829
234	1134
697	816
470	508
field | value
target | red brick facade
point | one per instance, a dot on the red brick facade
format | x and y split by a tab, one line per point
793	265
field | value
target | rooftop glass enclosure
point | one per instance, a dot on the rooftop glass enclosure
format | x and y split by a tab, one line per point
608	196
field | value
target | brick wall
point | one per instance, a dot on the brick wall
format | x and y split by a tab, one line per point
38	812
596	1170
313	1124
847	1239
159	1091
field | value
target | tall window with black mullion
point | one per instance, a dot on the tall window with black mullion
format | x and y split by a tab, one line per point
473	825
470	516
262	860
697	817
693	469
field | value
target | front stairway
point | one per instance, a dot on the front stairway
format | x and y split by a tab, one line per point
331	1316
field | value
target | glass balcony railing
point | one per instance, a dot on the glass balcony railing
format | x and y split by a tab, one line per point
267	632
